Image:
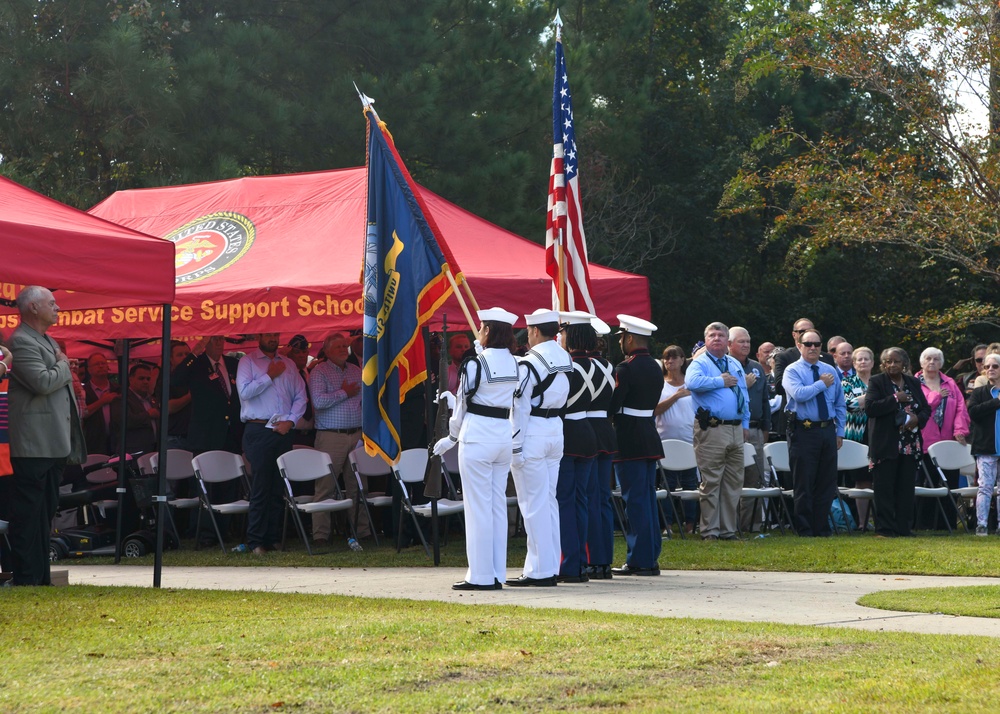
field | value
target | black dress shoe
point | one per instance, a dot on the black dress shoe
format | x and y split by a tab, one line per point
573	578
629	570
466	585
525	582
599	572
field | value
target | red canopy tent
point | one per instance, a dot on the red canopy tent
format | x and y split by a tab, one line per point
87	261
284	253
89	264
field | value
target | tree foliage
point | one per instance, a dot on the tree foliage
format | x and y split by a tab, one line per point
756	161
910	175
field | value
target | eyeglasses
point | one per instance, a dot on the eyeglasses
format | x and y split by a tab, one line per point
979	359
993	365
799	332
811	344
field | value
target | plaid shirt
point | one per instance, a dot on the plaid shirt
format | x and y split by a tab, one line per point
333	409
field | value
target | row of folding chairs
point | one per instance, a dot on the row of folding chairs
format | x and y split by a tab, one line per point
768	500
302	464
678	455
942	456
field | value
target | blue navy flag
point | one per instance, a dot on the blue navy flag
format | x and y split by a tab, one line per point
405	281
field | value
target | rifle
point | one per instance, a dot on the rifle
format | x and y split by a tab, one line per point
432	477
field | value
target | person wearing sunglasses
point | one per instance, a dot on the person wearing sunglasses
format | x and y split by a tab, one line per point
816	418
897	410
966	379
788	356
983	406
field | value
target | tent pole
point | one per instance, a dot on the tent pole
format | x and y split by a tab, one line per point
162	429
122	453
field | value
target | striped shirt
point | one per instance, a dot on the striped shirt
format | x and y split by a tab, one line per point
332	408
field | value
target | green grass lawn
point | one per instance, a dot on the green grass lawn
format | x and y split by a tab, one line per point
143	650
972	601
930	554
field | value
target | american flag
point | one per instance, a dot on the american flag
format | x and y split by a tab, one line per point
564	222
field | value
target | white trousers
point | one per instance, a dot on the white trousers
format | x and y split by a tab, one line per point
484	469
536	498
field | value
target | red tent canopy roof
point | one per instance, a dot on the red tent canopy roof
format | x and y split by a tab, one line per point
284	253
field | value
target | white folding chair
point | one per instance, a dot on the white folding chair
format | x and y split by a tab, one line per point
677	456
935	486
851	455
778	463
179	468
410	469
101	478
310	465
952	456
768	494
363	465
218	467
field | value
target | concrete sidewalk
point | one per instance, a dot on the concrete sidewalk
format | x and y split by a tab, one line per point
792	598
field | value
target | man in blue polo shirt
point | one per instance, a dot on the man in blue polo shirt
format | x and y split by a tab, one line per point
816	417
722	424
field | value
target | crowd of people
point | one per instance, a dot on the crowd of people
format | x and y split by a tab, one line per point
554	415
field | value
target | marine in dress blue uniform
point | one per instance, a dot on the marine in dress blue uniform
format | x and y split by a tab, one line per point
639	380
600	511
579	449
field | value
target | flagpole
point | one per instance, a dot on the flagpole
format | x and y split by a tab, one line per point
560	236
561	261
461	300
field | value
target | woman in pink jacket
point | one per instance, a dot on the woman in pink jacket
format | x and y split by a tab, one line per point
949	420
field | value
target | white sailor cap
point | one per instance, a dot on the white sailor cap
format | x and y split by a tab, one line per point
497	314
541	316
600	326
635	325
575	317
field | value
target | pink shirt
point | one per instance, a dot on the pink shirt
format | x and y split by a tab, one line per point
956	417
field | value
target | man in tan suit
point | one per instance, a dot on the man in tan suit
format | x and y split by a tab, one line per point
45	433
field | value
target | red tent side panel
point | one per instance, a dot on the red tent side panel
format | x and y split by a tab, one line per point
87	260
284	253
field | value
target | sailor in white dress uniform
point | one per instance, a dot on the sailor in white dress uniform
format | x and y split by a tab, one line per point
539	404
482	429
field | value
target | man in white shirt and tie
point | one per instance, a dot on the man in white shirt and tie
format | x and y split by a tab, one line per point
273	398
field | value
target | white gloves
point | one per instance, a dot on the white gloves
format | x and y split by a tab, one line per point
479	347
517	460
443	445
448	398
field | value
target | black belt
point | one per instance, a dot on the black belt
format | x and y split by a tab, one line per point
715	421
546	413
755	425
352	430
483	410
810	424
